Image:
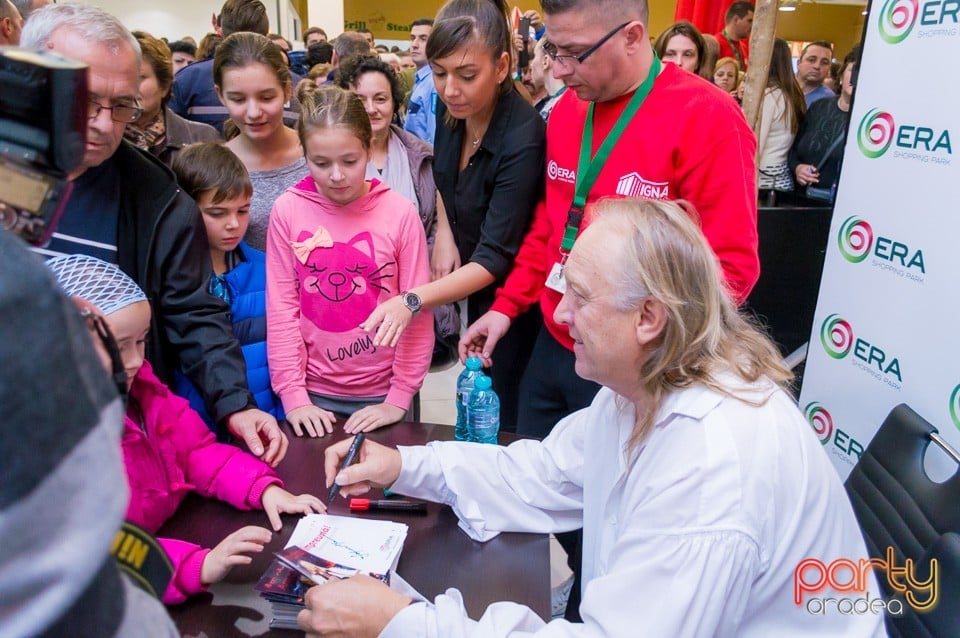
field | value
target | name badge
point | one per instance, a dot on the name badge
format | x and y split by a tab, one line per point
555	280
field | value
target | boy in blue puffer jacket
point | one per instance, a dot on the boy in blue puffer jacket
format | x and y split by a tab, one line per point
218	181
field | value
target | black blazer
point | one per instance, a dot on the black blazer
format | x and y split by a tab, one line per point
490	203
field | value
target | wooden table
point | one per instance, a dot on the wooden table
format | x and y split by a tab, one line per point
437	554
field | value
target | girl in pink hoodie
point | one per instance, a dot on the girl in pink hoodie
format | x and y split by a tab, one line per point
337	245
168	450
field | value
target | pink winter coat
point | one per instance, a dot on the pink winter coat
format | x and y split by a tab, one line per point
168	451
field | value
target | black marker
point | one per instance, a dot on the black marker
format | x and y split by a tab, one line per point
347	461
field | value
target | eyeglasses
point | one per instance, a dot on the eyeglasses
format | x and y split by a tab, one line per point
125	113
97	325
568	60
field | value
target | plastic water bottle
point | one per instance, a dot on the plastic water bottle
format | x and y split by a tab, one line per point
464	387
483	412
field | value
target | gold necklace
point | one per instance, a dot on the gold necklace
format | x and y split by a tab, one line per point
476	138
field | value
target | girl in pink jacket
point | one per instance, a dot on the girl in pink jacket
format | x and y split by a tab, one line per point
168	450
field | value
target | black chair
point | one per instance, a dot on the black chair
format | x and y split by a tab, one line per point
899	506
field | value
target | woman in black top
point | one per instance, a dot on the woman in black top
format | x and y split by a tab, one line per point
488	167
817	151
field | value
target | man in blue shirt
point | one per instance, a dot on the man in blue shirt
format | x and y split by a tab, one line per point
194	96
813	67
422	106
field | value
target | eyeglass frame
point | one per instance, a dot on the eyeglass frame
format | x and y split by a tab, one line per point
97	325
551	49
96	108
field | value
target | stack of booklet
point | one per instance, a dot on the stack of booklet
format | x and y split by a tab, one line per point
325	547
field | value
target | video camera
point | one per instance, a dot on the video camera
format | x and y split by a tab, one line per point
43	129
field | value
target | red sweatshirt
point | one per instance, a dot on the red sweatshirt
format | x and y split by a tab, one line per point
689	140
726	51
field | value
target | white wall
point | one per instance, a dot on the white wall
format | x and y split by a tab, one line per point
174	19
326	14
171	19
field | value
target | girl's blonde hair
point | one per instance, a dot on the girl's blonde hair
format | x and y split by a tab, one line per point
323	107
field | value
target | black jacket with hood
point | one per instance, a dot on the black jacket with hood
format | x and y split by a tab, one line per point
162	245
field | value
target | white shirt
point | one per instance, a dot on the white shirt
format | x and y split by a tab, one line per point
775	137
698	536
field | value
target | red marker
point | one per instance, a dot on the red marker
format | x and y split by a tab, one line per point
365	504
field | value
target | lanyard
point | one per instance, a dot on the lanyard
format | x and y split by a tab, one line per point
735	47
589	169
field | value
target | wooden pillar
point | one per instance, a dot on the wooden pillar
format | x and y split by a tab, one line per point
761	50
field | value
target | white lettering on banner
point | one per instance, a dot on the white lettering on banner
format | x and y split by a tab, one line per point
884	266
899	272
842	458
557	172
917	157
933	33
632	185
870	370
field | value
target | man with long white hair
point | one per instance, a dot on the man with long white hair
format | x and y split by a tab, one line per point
700	486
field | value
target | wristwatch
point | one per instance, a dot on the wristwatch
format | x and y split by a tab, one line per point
412	301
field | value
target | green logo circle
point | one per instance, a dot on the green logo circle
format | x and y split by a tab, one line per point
820	420
896	19
955	406
875	133
836	336
855	239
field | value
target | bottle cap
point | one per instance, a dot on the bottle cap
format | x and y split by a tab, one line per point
474	363
482	383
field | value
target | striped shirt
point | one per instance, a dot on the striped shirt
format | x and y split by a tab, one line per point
88	225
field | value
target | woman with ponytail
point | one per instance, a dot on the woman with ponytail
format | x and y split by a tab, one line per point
488	167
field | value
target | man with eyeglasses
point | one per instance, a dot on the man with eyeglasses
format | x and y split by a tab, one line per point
678	139
126	208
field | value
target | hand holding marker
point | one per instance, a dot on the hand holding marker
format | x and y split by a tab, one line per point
347	461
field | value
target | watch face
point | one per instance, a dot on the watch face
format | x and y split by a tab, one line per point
412	301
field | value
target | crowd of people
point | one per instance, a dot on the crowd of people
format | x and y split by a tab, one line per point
274	234
800	148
